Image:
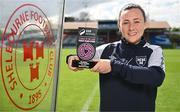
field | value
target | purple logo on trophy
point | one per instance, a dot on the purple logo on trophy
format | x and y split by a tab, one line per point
86	51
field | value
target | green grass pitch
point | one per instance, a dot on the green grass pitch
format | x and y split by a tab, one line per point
75	88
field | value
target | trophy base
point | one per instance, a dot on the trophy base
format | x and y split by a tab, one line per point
83	64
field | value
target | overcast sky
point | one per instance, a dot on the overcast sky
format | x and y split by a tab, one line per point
157	10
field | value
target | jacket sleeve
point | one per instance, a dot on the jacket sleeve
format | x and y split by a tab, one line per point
99	51
152	75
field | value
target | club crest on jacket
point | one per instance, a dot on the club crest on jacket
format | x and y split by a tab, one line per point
141	60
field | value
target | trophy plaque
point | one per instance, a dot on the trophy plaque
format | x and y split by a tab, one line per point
86	48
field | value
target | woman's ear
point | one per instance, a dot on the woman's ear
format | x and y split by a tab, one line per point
118	24
119	27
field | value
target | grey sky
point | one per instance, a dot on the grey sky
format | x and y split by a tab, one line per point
156	10
75	5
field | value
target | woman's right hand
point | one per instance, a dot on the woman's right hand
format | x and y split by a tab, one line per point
70	59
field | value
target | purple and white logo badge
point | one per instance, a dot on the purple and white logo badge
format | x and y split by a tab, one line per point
86	51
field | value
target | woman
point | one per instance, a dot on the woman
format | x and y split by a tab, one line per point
130	69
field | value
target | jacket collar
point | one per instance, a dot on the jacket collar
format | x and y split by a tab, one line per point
127	44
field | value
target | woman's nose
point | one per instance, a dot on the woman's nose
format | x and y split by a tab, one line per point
131	26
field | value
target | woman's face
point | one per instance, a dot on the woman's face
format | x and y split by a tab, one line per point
132	25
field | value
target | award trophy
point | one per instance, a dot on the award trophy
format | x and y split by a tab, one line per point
86	48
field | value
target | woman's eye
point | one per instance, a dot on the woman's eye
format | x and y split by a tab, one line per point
137	22
125	23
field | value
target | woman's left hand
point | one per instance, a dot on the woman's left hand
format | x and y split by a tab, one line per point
103	66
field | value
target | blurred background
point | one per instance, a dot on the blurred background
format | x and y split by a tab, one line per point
163	20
